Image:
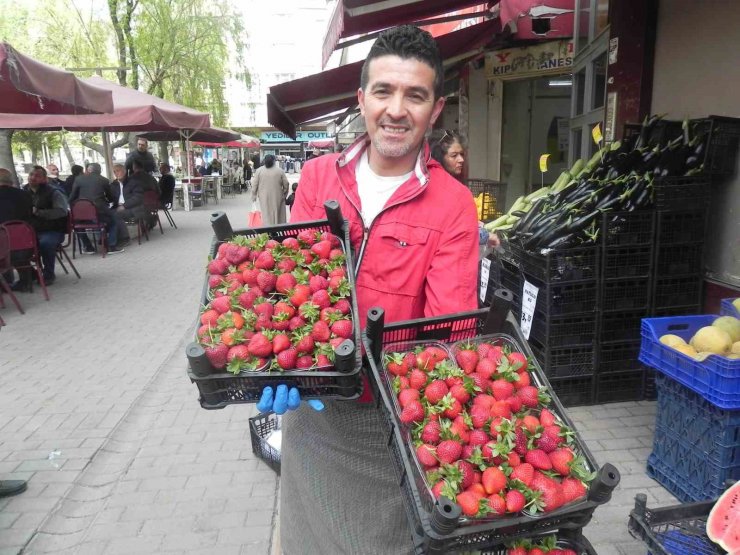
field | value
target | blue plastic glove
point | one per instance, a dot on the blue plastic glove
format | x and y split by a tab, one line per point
482	236
284	400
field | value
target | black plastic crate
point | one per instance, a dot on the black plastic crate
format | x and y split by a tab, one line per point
625	294
558	265
557	299
620	386
681	227
682	193
722	148
677	291
623	262
676	260
627	228
564	331
574	392
674	530
494	197
621	325
567	539
565	362
437	525
260	427
651	389
677	311
619	357
220	388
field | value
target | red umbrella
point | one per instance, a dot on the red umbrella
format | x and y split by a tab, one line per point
28	86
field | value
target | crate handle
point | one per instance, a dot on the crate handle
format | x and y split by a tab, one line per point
199	363
606	480
445	516
677	327
221	226
374	330
334	215
344	356
500	306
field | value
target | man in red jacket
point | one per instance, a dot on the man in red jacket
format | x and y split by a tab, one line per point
415	229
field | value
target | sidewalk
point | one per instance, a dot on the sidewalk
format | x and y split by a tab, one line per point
96	411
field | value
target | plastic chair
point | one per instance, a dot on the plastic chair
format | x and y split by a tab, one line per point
22	237
61	252
85	219
195	191
151	203
5	266
209	189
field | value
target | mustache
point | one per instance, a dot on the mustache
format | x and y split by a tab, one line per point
403	122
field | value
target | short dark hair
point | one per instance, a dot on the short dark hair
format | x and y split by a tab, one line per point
407	42
77	169
94	167
269	161
36	168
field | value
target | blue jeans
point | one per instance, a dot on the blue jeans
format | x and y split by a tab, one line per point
48	243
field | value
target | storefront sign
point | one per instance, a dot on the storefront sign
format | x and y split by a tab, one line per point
611	116
529	302
301	136
548	57
613	50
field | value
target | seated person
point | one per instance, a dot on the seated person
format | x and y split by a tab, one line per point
96	188
50	214
15	204
166	186
69	182
133	193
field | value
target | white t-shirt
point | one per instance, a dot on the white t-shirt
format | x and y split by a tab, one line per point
375	190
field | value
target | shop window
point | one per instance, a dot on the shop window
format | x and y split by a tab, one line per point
582	23
601	18
576	137
599	80
580	91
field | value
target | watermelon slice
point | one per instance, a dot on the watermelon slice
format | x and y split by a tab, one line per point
723	524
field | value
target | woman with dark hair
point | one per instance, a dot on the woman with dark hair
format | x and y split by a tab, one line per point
270	186
70	181
448	148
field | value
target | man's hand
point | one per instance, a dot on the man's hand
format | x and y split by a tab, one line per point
284	400
493	240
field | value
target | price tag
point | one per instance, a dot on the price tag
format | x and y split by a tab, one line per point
596	133
543	162
529	301
485	272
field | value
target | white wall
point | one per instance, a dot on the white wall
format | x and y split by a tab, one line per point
697	74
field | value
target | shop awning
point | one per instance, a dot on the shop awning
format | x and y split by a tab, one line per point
214	135
321	143
314	96
355	17
28	86
554	18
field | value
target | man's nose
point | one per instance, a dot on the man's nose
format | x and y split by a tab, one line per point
396	106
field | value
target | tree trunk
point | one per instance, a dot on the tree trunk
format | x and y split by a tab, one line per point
67	150
120	41
6	152
130	7
164	154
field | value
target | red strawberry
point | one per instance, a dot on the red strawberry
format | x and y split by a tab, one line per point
561	460
296	322
497	504
394	363
479	414
515	403
283	310
572	489
301	294
222	250
459	392
260	346
329	314
530	422
547	418
265	309
286	265
322	249
515	501
417	379
552	493
333	239
435	391
218	266
210	318
460	429
215	281
548	441
320	331
500	409
266	281
284	283
246	299
502	389
204	331
264	261
413	412
405	396
431	433
425	454
221	304
240	352
317	283
478	437
280	343
518	361
231	336
494	480
480	381
468	473
305	344
529	395
486	368
467	358
291	243
513	459
520	445
538	459
304	362
343	328
448	451
524	473
454	410
343	306
469	503
217	355
321	298
307	255
249	276
437	489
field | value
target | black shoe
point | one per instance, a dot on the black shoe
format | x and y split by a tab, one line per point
49	280
115	250
21	287
123	243
12	487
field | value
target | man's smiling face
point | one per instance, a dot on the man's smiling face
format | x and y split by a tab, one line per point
399	107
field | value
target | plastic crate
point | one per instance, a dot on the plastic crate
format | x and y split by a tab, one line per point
728	309
570	539
709	431
260	427
494	197
565	362
650	391
621	325
674	530
219	388
437	525
679	260
677	291
564	331
619	357
682	227
624	262
681	193
561	299
558	265
722	147
574	392
625	294
627	228
620	386
716	378
677	311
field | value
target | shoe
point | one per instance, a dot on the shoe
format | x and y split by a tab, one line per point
88	251
50	280
124	243
20	287
12	487
115	250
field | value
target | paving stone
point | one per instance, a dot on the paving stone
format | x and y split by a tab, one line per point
238	536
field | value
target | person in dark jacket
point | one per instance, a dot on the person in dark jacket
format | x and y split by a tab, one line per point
133	192
69	182
94	187
143	155
50	213
15	204
116	188
166	186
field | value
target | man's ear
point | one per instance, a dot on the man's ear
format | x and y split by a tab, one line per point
361	100
439	104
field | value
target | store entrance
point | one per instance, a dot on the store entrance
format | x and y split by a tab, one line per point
536	116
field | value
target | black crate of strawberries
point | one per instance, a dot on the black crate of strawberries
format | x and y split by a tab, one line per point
277	308
483	450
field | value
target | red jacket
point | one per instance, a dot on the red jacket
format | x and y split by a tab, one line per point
421	253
